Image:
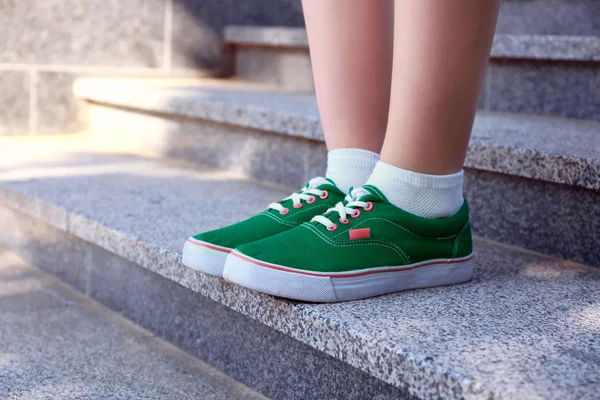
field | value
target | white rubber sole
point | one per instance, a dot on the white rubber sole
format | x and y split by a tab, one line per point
204	257
295	284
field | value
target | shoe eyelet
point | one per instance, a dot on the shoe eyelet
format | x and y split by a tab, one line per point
369	207
333	228
284	211
324	195
345	222
298	206
311	200
356	214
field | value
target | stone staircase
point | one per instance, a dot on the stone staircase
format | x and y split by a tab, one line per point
108	212
524	172
59	344
536	74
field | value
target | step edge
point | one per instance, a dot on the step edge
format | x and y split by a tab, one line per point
546	47
270	36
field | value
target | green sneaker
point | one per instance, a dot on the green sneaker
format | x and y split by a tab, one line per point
360	248
207	251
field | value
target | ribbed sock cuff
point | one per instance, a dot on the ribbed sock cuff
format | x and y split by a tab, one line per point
350	167
398	176
429	196
357	158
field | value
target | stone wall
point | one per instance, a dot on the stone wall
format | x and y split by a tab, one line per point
46	44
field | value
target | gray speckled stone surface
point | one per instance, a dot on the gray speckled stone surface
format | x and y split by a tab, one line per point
533	17
56	111
57	108
519	46
565	89
517	146
550	17
247	105
266	36
14	97
547	47
525	327
197	26
58	344
287	68
523	76
250	352
26	289
67	32
266	156
551	149
553	219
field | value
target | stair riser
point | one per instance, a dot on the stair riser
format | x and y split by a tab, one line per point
280	159
542	216
285	67
248	351
556	88
549	17
554	219
543	87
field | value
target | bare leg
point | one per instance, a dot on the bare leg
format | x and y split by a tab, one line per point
441	49
351	53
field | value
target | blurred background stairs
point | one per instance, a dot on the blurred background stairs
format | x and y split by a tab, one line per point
169	154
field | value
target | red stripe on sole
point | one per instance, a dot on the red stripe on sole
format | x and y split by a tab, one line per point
209	246
350	275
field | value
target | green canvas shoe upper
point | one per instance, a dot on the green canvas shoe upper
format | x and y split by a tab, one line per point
365	232
316	197
363	247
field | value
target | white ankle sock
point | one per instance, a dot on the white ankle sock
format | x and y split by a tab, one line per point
350	167
429	196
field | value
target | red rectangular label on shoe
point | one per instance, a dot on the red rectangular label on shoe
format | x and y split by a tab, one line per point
363	233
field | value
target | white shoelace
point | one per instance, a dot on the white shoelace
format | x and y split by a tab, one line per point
306	193
343	211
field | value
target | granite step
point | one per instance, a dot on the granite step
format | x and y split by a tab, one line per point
537	74
532	181
58	344
112	225
549	17
129	258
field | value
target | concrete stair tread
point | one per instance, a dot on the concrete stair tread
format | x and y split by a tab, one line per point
521	46
526	327
552	149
